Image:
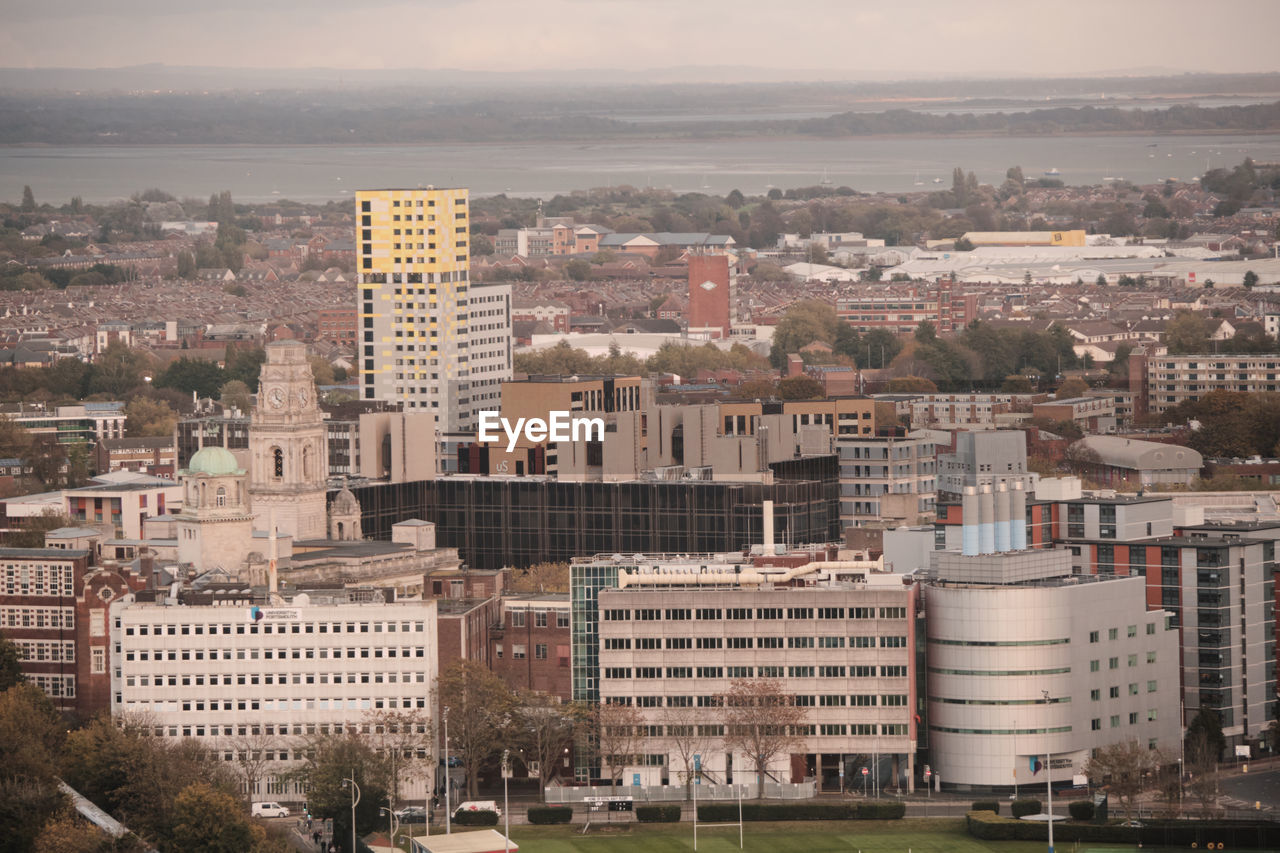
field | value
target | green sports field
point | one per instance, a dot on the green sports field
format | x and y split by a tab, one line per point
901	836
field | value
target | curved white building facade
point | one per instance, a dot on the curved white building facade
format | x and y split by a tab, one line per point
1108	665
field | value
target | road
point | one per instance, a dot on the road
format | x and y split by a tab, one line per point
1244	790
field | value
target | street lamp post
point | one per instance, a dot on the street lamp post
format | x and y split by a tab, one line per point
392	822
1048	776
355	798
506	806
448	824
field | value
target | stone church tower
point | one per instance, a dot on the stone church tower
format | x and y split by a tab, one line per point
288	450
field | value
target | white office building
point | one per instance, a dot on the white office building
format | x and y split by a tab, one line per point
1030	668
231	673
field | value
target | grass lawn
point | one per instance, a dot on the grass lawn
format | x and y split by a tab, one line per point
917	835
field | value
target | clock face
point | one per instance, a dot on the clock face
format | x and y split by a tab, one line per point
275	397
302	398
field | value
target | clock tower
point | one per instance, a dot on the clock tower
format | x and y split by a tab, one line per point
288	450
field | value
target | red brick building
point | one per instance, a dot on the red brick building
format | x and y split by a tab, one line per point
337	325
709	294
530	646
53	606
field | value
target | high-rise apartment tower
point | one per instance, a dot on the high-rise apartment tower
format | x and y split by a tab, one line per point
428	338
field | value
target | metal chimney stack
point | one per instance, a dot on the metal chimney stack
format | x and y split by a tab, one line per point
1002	518
1017	517
986	521
969	522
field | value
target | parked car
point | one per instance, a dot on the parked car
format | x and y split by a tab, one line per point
268	810
478	806
412	814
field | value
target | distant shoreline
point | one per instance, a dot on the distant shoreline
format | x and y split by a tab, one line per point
648	138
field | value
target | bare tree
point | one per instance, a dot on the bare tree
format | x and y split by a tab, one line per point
404	740
618	731
546	729
480	706
1202	768
761	722
1127	769
685	738
249	750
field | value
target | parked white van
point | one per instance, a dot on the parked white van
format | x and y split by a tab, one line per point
268	810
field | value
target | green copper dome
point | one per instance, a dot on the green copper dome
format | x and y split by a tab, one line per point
213	460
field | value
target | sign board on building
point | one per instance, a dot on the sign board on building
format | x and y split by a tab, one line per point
274	614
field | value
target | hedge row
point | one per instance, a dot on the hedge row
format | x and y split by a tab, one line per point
550	814
986	806
728	812
1081	809
1022	808
1170	833
658	814
480	817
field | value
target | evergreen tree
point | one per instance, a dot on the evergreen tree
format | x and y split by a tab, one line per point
28	200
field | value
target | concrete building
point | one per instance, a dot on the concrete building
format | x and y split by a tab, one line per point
1055	668
1057	665
1091	413
431	340
887	478
1139	464
225	666
670	635
985	458
901	312
1164	381
955	411
82	423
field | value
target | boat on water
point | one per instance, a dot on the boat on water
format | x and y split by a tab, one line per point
1053	173
826	181
937	180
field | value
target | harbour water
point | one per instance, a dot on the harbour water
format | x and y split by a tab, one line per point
544	169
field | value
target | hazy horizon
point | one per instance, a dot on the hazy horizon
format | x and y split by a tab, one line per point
833	40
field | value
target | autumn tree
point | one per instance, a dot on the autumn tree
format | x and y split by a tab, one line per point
545	729
801	388
803	323
755	389
31	734
211	820
1071	389
542	577
1126	769
618	731
235	394
328	761
146	416
760	721
30	534
479	705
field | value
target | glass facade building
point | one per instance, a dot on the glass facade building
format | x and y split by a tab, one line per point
496	522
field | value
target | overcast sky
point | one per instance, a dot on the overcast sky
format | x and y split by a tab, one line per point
902	38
